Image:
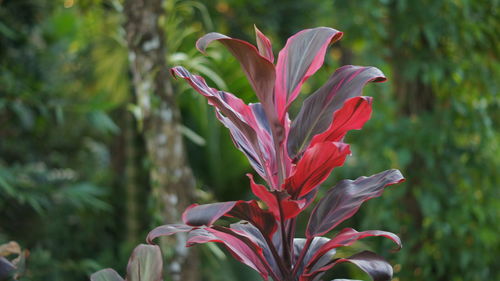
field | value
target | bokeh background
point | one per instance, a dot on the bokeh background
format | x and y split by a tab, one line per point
75	186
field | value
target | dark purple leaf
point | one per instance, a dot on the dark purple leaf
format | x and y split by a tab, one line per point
316	113
374	265
344	199
207	214
199	215
301	57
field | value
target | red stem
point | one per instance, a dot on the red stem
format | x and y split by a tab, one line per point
284	240
284	270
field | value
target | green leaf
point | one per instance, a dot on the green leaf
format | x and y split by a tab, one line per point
107	274
145	264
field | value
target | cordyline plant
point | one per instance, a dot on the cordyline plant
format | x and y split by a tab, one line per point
293	157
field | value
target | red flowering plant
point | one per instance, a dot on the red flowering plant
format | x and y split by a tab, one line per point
293	157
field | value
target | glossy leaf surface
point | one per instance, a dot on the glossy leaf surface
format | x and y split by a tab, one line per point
344	199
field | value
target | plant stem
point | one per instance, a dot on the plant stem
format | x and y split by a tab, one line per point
284	270
284	240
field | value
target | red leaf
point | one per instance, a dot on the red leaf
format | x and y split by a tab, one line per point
352	116
315	166
291	208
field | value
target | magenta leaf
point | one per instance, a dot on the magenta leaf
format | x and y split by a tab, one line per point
248	131
344	199
316	113
316	165
301	57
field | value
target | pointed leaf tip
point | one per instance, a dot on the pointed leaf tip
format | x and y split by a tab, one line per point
301	57
264	45
166	230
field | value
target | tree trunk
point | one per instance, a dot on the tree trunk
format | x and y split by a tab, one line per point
171	178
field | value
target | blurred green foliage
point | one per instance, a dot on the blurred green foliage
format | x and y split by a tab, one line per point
65	101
